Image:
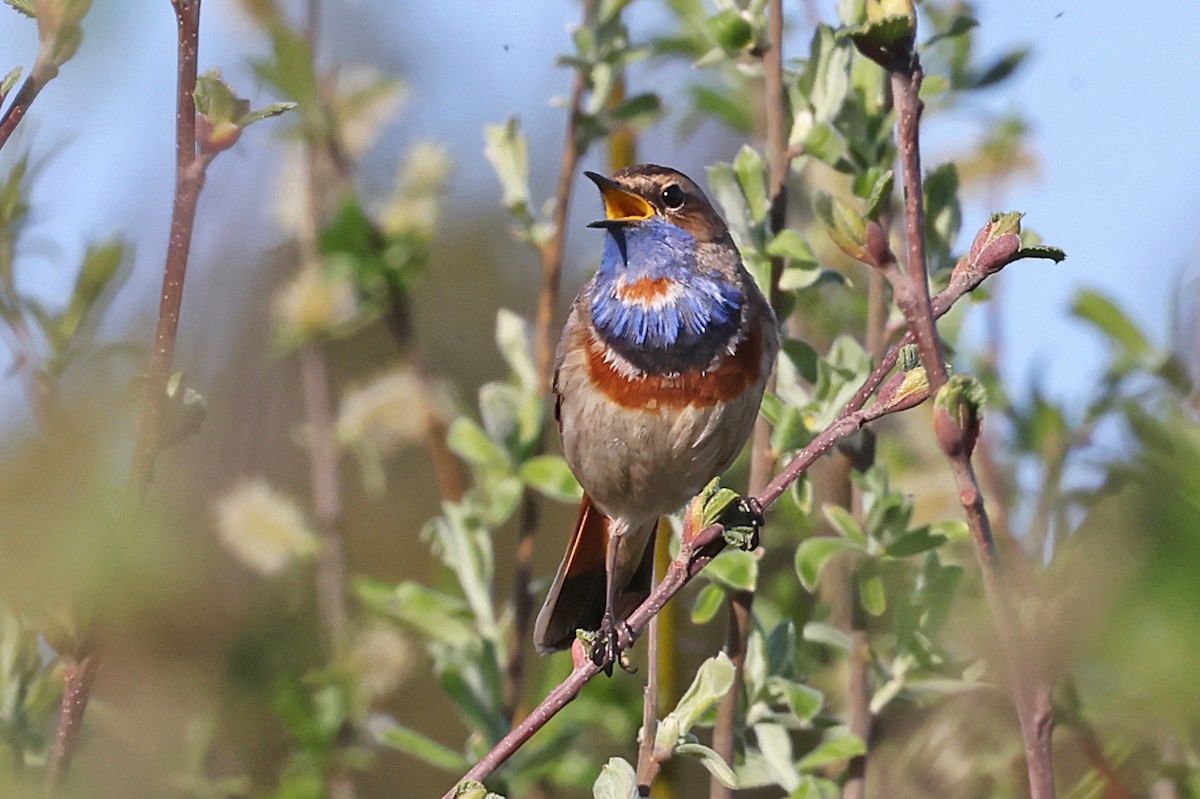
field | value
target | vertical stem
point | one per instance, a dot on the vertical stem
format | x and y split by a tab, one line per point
1030	689
552	262
327	498
647	765
762	458
32	86
77	688
189	180
724	736
906	86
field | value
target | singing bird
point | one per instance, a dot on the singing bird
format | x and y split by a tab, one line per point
658	379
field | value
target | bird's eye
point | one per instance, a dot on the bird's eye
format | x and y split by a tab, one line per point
672	197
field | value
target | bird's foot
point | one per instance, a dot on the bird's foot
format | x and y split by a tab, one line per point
744	520
610	643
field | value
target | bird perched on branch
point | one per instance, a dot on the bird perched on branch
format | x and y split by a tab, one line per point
658	379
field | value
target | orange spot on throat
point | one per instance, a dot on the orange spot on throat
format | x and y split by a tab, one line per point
645	290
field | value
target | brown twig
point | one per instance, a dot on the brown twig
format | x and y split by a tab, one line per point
543	346
41	74
319	408
190	167
1031	692
39	389
762	456
77	689
189	180
648	764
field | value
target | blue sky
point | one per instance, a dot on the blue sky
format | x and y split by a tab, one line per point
1110	92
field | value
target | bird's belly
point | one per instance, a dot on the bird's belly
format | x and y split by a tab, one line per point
643	462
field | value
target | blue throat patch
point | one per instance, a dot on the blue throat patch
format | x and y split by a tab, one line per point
684	329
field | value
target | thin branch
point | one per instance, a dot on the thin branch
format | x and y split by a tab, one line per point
543	346
647	764
319	406
27	362
77	689
325	479
914	300
1031	692
39	76
190	169
189	180
445	466
762	456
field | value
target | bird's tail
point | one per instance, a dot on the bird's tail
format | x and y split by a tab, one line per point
576	598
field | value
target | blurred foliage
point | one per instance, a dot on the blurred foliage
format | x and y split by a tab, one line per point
219	682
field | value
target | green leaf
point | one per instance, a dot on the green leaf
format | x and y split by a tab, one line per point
713	680
914	543
831	83
709	600
871	592
828	635
9	82
751	175
847	229
803	702
803	357
23	6
843	747
1045	251
730	31
100	265
814	553
1104	315
845	524
513	341
467	440
550	475
710	760
617	780
776	747
641	109
1000	69
735	569
710	103
789	243
881	194
826	143
467	789
266	112
437	616
508	152
423	748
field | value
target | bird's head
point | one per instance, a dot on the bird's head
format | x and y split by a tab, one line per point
648	194
670	281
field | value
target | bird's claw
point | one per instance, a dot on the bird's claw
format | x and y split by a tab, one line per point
742	531
610	644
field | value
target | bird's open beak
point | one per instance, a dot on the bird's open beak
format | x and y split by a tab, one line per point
620	207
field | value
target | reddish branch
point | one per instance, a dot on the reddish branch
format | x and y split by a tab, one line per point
77	688
1031	690
190	166
699	551
189	180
